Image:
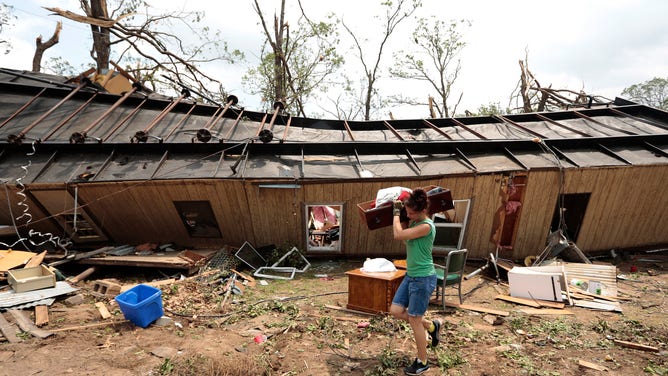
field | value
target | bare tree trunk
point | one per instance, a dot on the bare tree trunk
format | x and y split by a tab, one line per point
369	94
524	88
432	114
41	47
101	40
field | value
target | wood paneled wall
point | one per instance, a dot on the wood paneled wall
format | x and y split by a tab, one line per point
627	208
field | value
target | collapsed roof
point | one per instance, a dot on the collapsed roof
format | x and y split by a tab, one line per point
77	132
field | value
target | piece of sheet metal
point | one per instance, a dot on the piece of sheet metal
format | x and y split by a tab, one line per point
11	298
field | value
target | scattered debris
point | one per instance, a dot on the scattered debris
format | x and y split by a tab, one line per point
8	330
106	289
9	299
470	307
546	311
10	259
530	302
636	346
27	326
74	300
83	275
594	366
41	315
493	320
104	312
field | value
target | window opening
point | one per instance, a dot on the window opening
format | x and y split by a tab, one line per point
198	218
323	227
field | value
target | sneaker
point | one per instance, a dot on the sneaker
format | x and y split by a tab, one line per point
436	334
417	368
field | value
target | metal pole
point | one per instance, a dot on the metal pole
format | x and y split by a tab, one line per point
142	136
204	134
80	137
18	139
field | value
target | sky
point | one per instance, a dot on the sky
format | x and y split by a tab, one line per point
599	46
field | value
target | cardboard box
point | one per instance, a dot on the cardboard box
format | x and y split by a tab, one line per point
376	217
29	279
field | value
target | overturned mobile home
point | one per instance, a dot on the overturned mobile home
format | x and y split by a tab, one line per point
97	167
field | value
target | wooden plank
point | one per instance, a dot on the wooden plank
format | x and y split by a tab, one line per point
531	303
78	327
478	309
590	365
10	259
349	310
27	326
251	280
9	330
104	312
83	275
546	311
636	346
41	315
611	306
35	260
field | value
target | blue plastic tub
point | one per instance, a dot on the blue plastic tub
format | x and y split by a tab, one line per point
141	304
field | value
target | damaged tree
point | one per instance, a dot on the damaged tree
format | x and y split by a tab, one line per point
40	47
436	63
299	63
150	49
394	15
536	98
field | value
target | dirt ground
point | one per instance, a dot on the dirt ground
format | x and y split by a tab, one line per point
305	337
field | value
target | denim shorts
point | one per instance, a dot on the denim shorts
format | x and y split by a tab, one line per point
414	293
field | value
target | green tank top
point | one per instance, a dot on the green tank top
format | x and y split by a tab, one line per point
419	261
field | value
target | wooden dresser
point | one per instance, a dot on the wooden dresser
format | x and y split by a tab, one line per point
372	292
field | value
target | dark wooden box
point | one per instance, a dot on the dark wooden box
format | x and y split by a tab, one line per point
372	292
378	217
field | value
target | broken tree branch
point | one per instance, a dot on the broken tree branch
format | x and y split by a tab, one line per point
41	47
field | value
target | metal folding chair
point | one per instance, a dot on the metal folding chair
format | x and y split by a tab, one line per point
451	274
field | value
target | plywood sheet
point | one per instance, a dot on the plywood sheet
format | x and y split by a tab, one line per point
10	259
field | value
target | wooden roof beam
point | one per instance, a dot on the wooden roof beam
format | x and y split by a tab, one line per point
233	127
514	158
143	135
120	123
69	117
655	149
357	156
408	152
466	160
547	119
26	105
588	118
437	129
460	124
183	119
517	125
611	153
642	120
17	139
285	132
564	156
